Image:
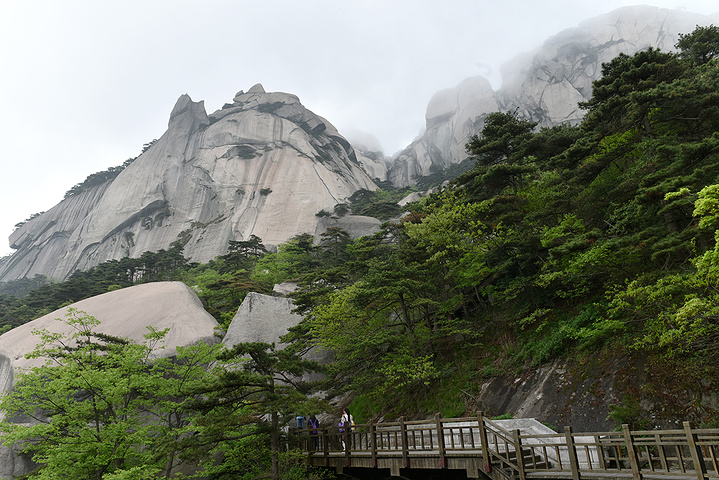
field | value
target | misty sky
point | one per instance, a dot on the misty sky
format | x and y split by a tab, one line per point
86	83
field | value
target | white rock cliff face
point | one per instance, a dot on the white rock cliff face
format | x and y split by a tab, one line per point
263	165
543	86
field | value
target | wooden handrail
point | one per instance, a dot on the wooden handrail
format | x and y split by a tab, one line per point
689	453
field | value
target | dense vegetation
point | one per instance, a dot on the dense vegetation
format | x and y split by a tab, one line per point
590	242
105	408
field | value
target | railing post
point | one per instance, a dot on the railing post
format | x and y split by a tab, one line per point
634	462
326	446
348	449
697	456
572	452
600	453
440	441
520	455
485	443
405	446
373	442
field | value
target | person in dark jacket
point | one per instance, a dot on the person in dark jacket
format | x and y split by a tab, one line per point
314	425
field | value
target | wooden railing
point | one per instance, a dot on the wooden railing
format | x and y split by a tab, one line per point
458	434
681	453
480	443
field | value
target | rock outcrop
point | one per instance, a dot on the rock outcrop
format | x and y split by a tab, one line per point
261	318
452	117
555	395
369	153
265	318
544	86
263	165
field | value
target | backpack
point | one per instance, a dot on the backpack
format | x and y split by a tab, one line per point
313	424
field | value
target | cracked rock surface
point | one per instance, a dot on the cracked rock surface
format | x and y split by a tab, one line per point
263	165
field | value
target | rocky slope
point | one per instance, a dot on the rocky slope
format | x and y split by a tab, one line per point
544	85
263	165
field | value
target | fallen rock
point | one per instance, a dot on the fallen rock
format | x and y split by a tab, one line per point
265	318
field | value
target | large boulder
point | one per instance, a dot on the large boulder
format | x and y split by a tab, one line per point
263	165
123	313
266	318
261	318
356	226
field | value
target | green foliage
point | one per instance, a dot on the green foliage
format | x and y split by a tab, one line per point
506	416
22	286
501	140
103	405
243	254
255	390
439	176
613	107
699	46
380	203
292	258
631	413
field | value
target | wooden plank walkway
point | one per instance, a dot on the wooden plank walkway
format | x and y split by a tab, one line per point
484	449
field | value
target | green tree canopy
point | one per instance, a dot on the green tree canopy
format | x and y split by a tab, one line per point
102	405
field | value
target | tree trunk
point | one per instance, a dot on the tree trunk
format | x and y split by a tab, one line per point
274	448
274	440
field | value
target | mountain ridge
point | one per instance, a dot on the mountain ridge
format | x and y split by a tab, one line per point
544	85
264	165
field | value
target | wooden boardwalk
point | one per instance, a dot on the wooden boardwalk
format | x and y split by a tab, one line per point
483	449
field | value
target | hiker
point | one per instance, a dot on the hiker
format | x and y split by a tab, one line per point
314	424
346	424
299	423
